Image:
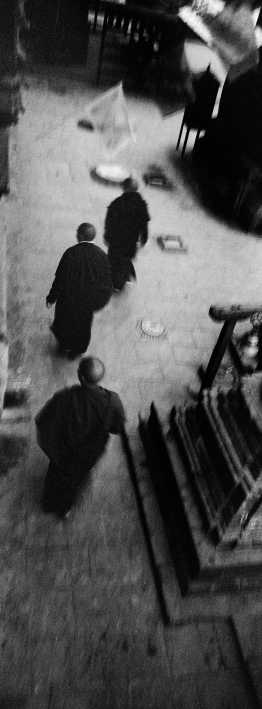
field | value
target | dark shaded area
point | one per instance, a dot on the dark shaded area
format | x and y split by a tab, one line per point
12	449
155	571
228	158
171	505
58	31
191	175
7	37
18	702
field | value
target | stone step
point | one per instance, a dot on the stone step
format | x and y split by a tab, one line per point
201	567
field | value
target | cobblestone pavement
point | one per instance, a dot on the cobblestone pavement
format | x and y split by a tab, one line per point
80	622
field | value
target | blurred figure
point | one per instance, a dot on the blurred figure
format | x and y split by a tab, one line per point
229	156
126	224
233	36
73	429
82	285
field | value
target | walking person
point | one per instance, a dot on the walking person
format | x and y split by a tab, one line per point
73	429
126	225
82	285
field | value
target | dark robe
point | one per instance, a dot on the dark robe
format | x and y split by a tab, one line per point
229	156
72	429
82	285
126	224
240	115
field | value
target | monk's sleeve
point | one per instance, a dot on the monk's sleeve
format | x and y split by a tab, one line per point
108	225
58	281
145	218
44	422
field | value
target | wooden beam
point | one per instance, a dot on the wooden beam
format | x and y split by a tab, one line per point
220	313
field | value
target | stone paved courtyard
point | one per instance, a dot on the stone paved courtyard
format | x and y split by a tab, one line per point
80	621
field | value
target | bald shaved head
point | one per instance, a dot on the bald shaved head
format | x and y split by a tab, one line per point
91	370
85	232
130	185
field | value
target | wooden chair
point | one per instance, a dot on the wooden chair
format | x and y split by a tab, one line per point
198	114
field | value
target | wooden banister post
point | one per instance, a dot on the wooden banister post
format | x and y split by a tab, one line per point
218	353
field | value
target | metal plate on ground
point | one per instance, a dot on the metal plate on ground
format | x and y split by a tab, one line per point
170	242
151	329
115	174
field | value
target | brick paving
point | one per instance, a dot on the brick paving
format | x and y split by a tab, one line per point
80	621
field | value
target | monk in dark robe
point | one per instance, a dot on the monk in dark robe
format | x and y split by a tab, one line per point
73	429
82	285
126	225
